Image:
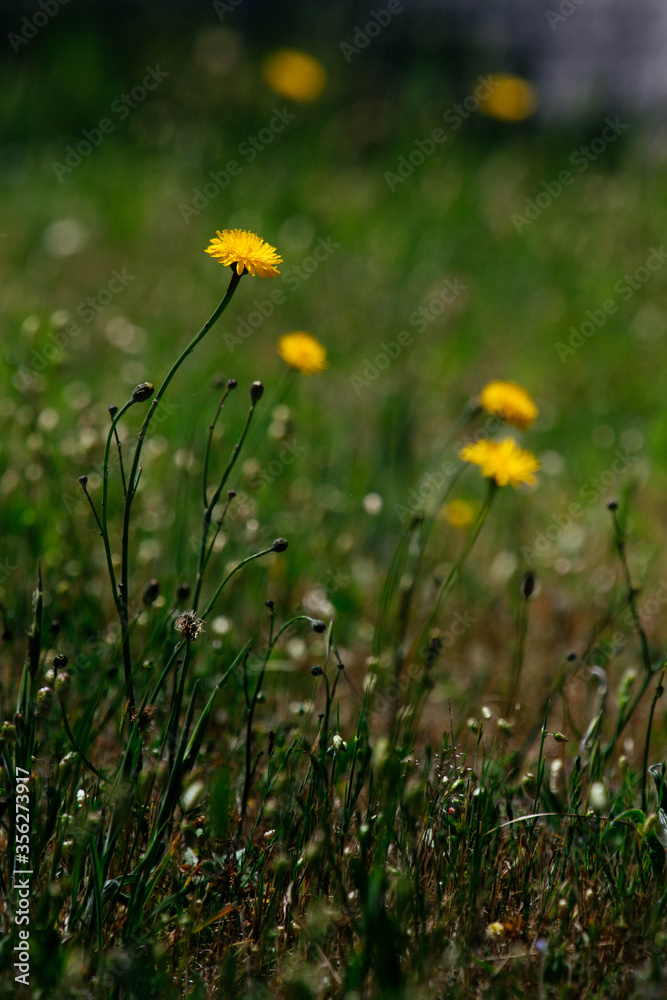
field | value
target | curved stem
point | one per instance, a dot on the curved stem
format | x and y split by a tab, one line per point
208	508
132	481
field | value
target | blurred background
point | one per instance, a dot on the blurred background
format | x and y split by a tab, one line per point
487	178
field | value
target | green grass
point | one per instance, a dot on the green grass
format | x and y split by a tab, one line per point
227	843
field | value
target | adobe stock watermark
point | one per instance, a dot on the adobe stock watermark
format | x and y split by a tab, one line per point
566	8
223	7
647	608
592	491
449	292
426	147
581	158
247	150
624	289
292	279
31	26
364	34
121	108
21	876
87	310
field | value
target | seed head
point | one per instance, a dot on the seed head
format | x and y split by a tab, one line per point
189	625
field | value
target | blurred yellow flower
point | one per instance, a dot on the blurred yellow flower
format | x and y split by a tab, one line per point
502	461
510	402
459	513
303	352
247	251
295	75
511	99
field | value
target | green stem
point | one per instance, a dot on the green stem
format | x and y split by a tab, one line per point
453	574
208	509
133	481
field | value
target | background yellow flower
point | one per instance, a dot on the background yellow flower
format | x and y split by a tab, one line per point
510	402
295	75
511	99
459	513
504	461
303	352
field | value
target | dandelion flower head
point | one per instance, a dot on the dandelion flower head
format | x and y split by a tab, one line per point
510	402
510	98
503	461
295	75
459	513
247	251
303	352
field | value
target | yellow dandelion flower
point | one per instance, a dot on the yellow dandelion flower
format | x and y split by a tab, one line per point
247	251
295	75
510	402
510	99
459	513
303	352
502	461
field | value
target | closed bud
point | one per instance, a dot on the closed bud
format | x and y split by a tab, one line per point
317	625
62	685
113	410
143	392
231	383
183	592
256	392
59	662
279	545
150	592
529	784
527	585
8	733
44	700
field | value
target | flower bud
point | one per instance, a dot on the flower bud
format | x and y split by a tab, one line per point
143	392
527	585
256	392
317	625
44	700
8	733
279	545
62	685
183	592
231	383
150	592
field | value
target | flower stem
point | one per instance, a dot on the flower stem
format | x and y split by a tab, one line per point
135	471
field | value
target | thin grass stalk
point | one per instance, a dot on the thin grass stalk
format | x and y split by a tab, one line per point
133	481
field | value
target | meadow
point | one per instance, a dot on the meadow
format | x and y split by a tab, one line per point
371	724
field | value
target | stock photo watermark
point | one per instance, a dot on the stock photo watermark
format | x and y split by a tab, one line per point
121	108
425	147
565	10
373	367
624	289
248	150
581	158
31	26
21	877
292	279
87	310
592	491
364	34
